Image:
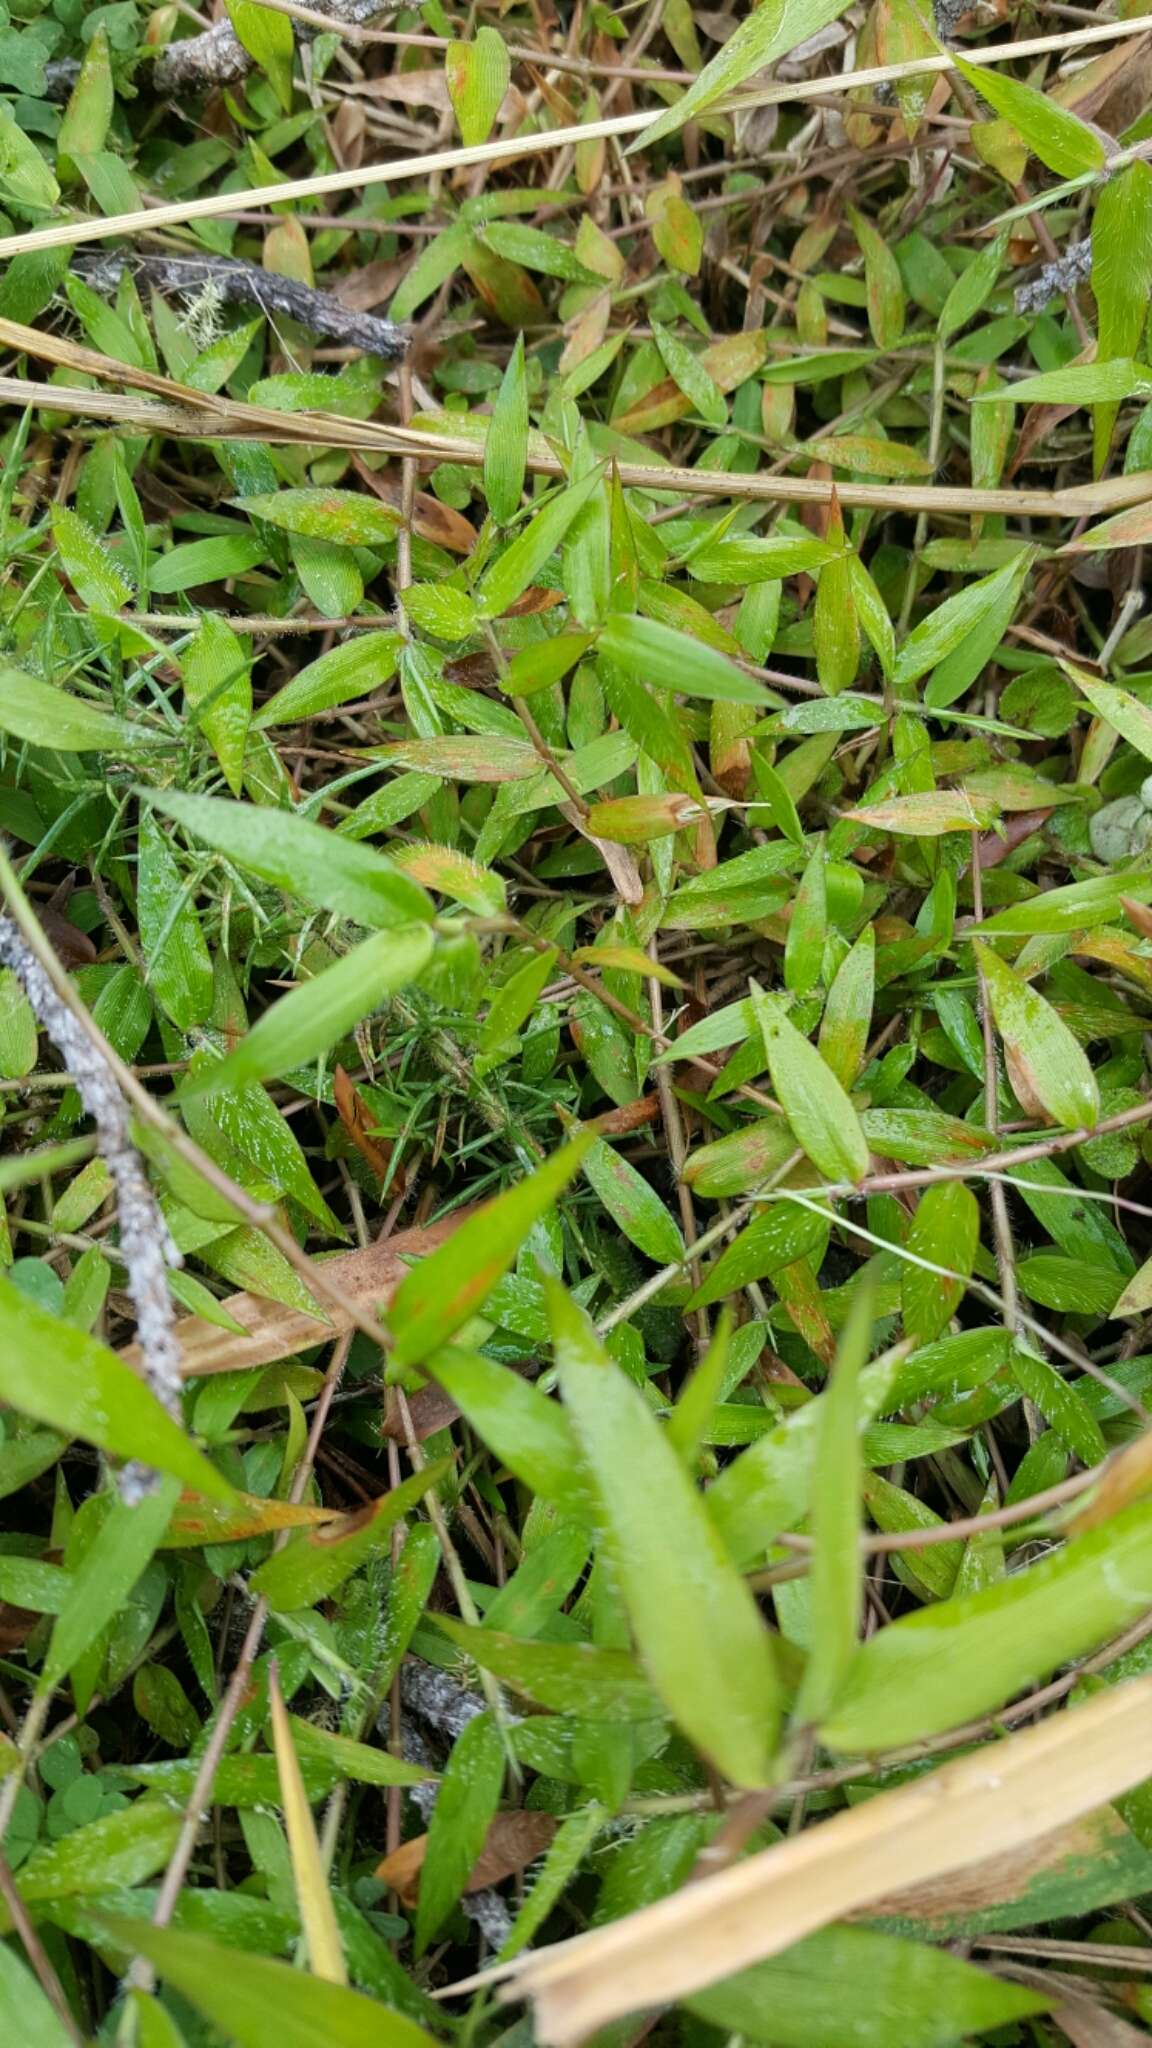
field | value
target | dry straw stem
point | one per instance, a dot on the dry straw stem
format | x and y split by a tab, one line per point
365	177
177	410
1013	1793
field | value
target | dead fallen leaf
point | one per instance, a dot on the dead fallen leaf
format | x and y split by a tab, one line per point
366	1278
1089	2025
513	1841
616	1123
354	1114
431	520
429	1410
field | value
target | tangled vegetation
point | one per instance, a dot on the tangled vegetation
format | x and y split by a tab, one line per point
575	989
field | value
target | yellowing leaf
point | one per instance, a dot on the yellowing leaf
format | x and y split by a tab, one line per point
927	814
478	74
317	1914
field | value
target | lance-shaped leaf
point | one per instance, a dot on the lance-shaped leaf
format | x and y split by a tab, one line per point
1058	137
440	1294
312	1565
1043	1054
823	1120
696	1625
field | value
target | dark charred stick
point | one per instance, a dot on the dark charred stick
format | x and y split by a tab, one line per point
245	284
214	58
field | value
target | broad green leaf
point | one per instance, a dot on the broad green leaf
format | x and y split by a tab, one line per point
266	34
778	1237
89	110
751	558
1076	907
316	1561
179	965
353	669
1121	277
807	928
307	861
206	561
823	1120
349	518
1043	1053
25	2013
875	1990
946	1232
313	1017
1126	714
972	287
947	1664
117	1850
570	1678
478	73
506	444
835	627
29	1582
768	33
687	370
218	689
258	2002
26	183
49	717
1063	142
883	283
837	1576
521	1426
437	261
1060	1404
90	565
968	658
60	1376
524	558
465	1804
848	1011
941	633
516	999
658	654
105	1576
358	1760
696	1625
633	1204
1080	384
445	1290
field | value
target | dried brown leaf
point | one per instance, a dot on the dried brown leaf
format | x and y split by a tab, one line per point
366	1279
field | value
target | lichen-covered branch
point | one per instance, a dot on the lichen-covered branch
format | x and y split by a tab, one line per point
245	284
214	58
145	1243
1063	275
